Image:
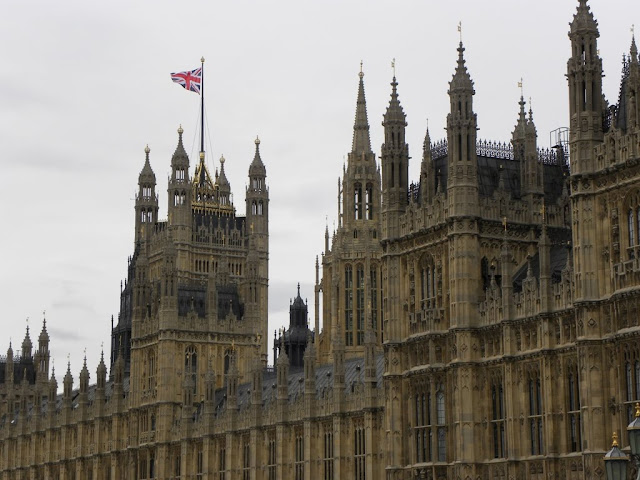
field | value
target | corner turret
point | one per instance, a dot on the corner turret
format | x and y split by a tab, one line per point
584	74
462	182
395	166
146	206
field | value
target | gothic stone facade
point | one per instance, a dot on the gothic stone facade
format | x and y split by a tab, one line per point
481	323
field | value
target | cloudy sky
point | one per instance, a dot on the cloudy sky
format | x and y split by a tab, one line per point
85	86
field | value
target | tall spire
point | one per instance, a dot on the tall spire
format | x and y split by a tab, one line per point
461	79
146	174
257	167
180	152
394	111
361	139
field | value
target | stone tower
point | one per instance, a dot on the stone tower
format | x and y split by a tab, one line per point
351	275
197	283
257	276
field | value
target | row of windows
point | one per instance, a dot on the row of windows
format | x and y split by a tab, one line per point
354	308
179	198
425	429
204	266
257	208
180	174
359	447
363	211
146	216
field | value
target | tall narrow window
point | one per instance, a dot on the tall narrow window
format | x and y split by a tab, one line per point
348	305
535	416
357	202
359	451
440	420
631	229
369	202
422	429
632	383
299	455
199	462
246	458
573	387
222	460
360	305
327	449
191	367
638	224
271	456
373	279
498	420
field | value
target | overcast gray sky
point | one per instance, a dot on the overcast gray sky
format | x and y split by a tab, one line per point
85	86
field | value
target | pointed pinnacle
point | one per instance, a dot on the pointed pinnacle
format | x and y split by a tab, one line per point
361	140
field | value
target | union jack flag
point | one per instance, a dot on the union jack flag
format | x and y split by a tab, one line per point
191	80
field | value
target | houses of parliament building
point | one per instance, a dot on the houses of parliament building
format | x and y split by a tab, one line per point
479	323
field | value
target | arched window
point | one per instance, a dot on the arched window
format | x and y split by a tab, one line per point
227	360
254	207
574	428
631	228
360	304
369	203
260	207
373	285
348	305
440	421
535	415
357	201
498	420
191	366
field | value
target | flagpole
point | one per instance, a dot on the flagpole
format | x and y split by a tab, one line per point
202	109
